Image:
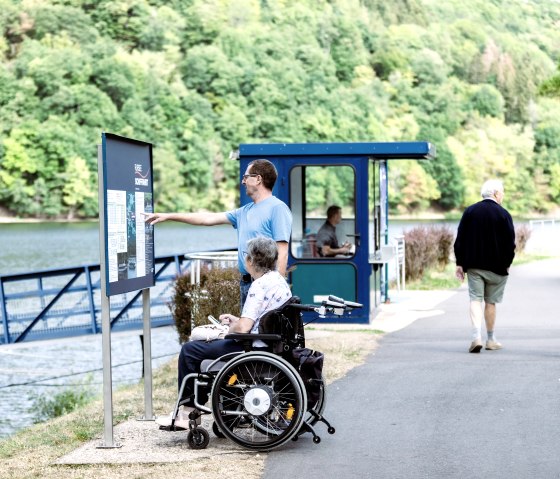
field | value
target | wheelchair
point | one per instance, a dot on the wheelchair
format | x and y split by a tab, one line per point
259	398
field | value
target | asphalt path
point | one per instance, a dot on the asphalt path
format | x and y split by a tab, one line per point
423	407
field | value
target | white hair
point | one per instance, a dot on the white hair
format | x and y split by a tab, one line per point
490	187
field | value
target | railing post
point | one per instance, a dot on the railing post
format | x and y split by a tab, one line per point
94	328
40	286
178	265
4	313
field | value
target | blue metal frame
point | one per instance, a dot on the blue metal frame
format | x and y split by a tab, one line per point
76	295
358	155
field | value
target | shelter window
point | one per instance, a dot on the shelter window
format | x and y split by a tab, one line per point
312	190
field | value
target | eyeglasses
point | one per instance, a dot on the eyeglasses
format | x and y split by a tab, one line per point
244	177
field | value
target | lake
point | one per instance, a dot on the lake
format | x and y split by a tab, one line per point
26	247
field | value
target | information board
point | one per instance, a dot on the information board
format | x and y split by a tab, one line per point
128	192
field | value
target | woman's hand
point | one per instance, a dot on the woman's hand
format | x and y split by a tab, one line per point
228	318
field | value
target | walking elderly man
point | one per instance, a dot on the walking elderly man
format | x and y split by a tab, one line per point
484	250
266	216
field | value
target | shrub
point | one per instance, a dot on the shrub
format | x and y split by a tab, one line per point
64	402
522	235
442	237
427	247
217	293
420	252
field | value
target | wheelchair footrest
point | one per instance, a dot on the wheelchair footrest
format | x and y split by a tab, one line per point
172	428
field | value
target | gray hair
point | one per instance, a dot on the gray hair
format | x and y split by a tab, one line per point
263	253
490	187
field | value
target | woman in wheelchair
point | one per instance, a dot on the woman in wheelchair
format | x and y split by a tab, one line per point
268	291
261	397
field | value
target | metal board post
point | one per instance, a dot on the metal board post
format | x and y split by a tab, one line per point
148	407
108	440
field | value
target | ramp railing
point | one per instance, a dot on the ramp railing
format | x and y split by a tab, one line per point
66	302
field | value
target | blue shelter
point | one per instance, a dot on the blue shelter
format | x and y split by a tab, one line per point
311	177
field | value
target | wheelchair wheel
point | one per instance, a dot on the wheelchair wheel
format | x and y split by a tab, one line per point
311	416
198	438
258	401
217	431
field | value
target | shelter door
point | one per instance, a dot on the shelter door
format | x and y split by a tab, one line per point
327	245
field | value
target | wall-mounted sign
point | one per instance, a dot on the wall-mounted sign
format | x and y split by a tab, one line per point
128	192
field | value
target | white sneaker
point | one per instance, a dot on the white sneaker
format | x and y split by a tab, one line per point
181	421
164	422
475	346
493	345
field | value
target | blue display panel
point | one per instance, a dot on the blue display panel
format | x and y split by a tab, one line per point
128	192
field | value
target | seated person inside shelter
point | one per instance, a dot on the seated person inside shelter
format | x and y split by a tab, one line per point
327	241
269	290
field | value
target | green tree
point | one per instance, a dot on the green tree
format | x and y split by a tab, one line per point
488	101
411	188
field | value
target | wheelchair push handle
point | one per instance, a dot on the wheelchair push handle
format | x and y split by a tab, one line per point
303	307
332	304
348	304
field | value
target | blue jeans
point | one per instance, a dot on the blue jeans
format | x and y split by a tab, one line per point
244	290
192	354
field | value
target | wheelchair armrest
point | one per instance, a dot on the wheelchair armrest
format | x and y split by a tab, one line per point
253	337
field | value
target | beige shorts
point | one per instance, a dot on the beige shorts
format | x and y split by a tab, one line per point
486	286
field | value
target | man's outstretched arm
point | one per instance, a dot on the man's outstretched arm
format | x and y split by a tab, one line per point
199	219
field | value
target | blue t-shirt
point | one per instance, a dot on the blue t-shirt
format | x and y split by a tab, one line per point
270	218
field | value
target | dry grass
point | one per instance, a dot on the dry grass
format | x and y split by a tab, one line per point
32	453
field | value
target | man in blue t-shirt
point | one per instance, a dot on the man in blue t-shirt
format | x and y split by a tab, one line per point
265	216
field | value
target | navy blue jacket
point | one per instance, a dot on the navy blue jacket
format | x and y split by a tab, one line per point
485	238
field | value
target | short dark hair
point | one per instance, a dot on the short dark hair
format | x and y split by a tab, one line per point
333	210
266	170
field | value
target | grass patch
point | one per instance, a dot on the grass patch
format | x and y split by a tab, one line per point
436	279
61	403
30	453
63	434
524	258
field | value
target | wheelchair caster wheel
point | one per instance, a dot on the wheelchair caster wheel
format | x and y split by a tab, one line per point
295	438
331	430
198	438
316	439
216	431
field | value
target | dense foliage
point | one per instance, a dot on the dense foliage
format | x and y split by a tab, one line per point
217	293
198	77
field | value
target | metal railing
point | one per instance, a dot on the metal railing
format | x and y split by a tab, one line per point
533	224
222	259
400	262
66	302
